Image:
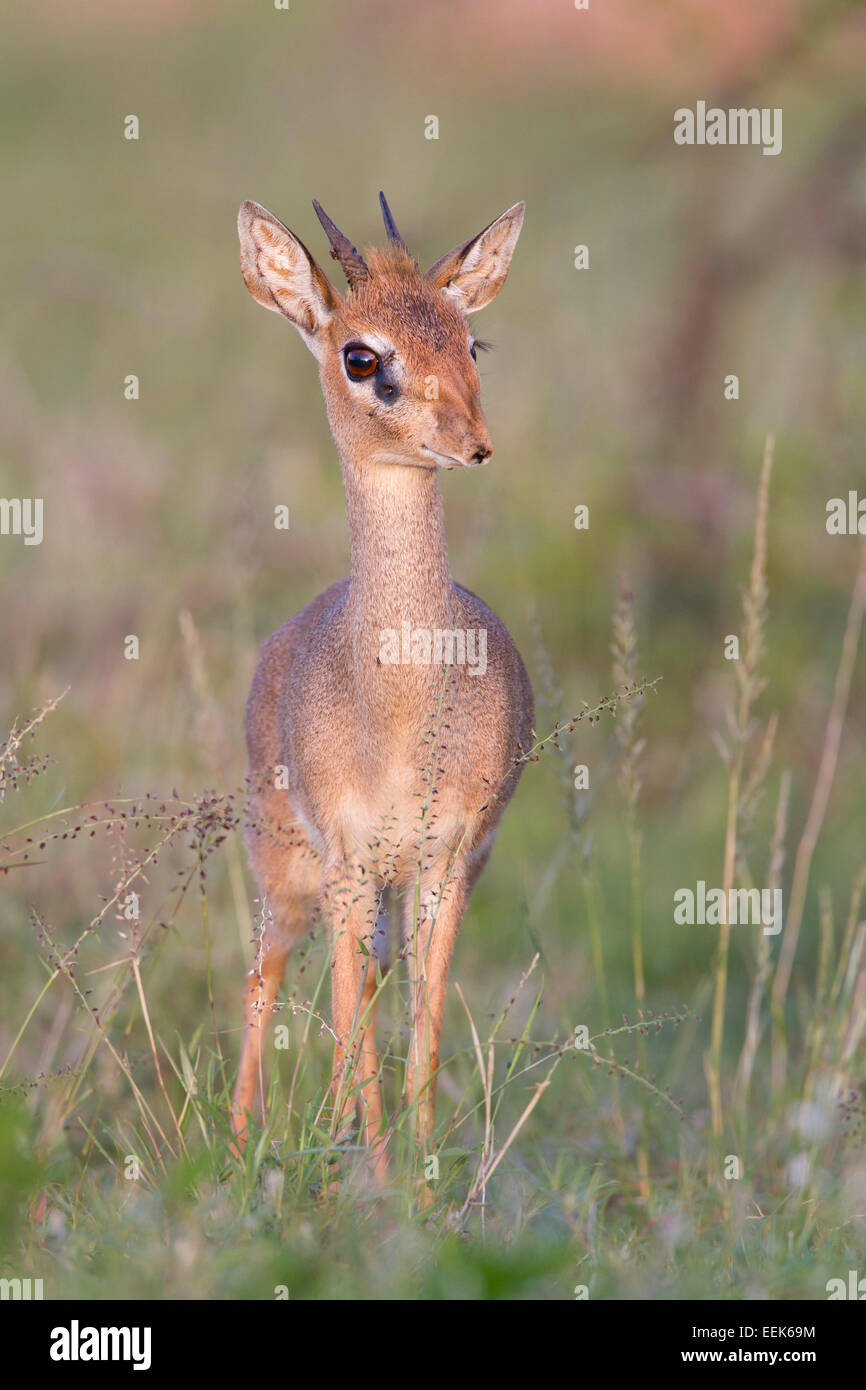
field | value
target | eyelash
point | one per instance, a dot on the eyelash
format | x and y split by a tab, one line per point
477	345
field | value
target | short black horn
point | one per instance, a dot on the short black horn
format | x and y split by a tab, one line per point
391	225
342	250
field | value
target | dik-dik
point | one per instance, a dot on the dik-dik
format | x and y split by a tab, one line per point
380	763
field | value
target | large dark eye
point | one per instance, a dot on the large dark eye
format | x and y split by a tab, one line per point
472	352
360	362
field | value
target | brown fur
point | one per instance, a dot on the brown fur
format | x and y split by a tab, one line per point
355	732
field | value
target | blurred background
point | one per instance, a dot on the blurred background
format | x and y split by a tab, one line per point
605	387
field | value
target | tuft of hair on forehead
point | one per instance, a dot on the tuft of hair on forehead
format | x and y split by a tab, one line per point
397	297
391	260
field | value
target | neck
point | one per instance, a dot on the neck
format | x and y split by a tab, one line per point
400	568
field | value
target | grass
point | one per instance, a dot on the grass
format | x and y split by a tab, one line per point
565	1157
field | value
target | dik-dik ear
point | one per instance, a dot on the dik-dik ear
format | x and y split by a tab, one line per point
474	273
281	274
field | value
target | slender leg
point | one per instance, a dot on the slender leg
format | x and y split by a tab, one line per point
350	906
430	943
288	875
264	983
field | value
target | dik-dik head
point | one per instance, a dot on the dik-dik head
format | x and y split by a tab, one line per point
396	357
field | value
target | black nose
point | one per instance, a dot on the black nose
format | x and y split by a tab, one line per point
482	453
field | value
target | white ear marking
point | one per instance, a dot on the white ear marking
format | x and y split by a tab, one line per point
281	275
472	274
